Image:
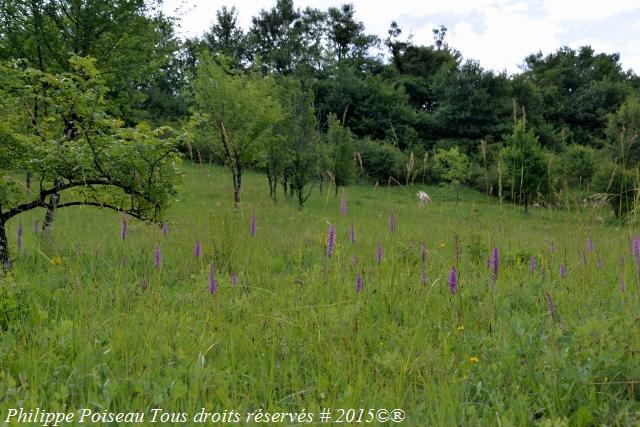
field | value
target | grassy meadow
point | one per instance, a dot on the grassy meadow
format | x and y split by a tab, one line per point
88	321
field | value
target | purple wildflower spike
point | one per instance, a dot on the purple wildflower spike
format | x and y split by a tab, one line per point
424	252
343	205
392	222
213	286
378	253
590	244
331	240
197	249
252	225
635	247
358	282
157	257
453	280
123	228
563	270
551	306
532	264
19	234
423	277
495	263
234	279
165	229
352	234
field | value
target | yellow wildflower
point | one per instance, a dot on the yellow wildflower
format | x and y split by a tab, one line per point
461	328
474	359
56	260
442	245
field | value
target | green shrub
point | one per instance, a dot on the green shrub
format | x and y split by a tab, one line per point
578	164
525	171
380	160
451	166
340	141
619	184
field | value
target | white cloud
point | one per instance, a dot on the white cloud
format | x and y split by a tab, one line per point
509	36
498	33
581	10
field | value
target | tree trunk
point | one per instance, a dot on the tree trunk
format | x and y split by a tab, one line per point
70	132
54	199
285	186
269	180
4	248
300	198
236	189
272	177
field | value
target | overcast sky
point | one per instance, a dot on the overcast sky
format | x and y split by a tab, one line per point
498	33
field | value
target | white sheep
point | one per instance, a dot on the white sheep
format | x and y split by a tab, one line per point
424	198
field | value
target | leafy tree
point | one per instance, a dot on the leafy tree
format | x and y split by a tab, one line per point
525	165
472	103
368	105
286	38
301	139
84	157
623	129
579	164
380	161
275	160
618	177
451	167
620	185
237	110
164	88
418	68
528	100
347	35
128	39
226	38
578	89
439	35
340	143
396	47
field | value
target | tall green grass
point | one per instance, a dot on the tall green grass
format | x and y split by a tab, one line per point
105	329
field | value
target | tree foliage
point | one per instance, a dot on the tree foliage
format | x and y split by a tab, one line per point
302	142
451	166
236	113
340	142
525	165
79	154
129	39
